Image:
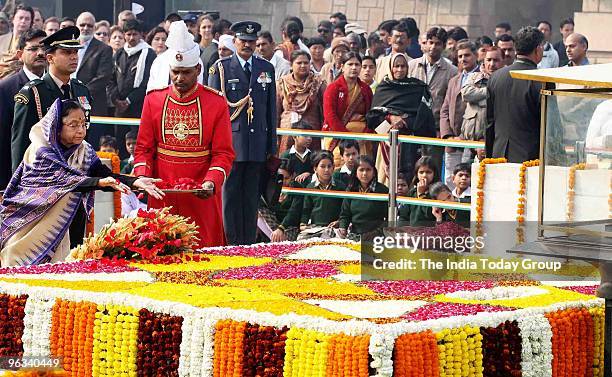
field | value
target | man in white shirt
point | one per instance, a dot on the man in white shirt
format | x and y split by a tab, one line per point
264	47
551	57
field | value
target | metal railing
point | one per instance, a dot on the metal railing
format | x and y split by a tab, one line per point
393	138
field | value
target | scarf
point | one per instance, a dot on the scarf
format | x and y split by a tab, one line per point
392	61
142	59
300	96
48	172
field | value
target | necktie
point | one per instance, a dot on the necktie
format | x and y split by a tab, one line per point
65	91
247	70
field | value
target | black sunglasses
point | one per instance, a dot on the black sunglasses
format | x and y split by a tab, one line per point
323	30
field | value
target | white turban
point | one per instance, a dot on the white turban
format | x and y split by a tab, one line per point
227	41
184	52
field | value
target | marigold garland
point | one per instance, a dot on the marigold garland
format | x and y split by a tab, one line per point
264	351
460	351
115	341
306	353
229	348
571	182
521	206
501	347
482	171
72	335
159	342
522	200
571	356
12	313
348	355
416	355
597	314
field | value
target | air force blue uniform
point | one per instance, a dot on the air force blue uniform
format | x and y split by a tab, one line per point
252	107
252	142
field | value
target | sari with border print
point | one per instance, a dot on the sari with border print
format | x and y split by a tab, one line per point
39	203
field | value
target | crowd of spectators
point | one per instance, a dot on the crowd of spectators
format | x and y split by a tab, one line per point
437	82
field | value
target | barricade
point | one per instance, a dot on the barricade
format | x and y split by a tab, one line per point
354	136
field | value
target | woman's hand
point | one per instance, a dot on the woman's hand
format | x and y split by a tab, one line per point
302	177
342	232
278	236
397	121
148	184
333	224
114	184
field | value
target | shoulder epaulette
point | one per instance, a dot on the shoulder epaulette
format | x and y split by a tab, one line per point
213	90
32	83
21	98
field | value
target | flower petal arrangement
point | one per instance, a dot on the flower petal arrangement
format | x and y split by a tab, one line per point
152	233
280	309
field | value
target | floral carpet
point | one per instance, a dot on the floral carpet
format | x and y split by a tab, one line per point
292	309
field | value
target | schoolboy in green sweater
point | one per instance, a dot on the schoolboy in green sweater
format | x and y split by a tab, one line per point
349	150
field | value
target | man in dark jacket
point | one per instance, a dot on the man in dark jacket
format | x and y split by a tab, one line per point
32	55
95	71
38	95
513	106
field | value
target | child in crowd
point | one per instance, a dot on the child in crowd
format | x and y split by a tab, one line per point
425	173
349	151
439	191
462	181
402	184
320	214
363	216
279	221
108	144
127	165
299	154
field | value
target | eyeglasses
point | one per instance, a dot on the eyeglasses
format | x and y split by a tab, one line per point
86	25
75	125
35	48
323	31
102	34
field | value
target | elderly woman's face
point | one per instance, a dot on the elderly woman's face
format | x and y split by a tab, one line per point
74	128
400	68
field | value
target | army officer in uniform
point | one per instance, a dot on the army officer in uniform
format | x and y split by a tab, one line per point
247	82
37	96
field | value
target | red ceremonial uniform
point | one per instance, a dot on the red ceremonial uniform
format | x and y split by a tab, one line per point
187	137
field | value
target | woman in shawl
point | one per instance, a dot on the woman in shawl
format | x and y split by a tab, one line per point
50	196
299	96
345	104
405	104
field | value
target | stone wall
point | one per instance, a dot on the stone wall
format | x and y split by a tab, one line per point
478	17
595	14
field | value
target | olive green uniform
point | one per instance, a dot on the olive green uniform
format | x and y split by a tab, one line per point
32	103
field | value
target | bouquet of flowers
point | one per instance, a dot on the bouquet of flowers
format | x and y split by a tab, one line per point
155	232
